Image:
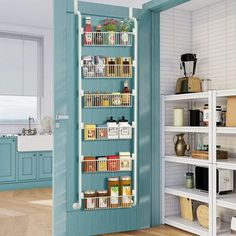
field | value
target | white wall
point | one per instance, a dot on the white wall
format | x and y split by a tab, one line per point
32	17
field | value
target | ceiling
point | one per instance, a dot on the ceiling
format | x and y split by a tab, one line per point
39	13
130	3
193	5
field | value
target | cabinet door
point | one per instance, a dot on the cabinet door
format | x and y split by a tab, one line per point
45	165
27	166
7	160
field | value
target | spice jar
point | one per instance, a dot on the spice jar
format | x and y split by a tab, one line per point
206	115
125	191
102	200
189	180
89	164
218	116
105	100
116	99
113	192
89	200
223	117
112	129
113	163
89	132
125	161
101	163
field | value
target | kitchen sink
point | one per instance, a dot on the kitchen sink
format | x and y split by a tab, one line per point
34	143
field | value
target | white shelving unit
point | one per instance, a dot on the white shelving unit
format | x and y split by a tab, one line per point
211	198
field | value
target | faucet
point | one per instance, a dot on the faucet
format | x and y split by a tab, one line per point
29	131
30	119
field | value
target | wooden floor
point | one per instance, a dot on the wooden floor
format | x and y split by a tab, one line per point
29	213
162	230
26	213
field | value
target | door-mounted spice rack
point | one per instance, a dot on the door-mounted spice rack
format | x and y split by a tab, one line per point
107	100
109	39
107	67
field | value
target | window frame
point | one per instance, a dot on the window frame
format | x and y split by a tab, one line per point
40	73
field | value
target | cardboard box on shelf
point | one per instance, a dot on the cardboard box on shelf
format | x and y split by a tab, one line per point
231	112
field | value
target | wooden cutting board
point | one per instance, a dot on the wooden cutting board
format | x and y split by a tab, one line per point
203	216
186	208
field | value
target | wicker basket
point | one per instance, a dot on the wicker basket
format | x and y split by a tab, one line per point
204	154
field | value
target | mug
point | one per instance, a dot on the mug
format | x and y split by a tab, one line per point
195	117
178	117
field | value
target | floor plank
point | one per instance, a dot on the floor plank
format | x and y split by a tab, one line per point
35	204
163	230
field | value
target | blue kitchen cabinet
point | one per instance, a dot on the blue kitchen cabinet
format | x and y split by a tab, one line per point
7	159
45	165
27	166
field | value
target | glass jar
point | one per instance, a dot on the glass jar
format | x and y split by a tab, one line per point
206	115
113	192
189	180
102	201
218	116
89	200
113	163
125	191
223	117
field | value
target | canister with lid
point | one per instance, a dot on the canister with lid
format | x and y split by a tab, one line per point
89	200
112	129
102	200
113	192
125	191
125	129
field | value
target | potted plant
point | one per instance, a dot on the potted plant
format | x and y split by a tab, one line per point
109	25
125	26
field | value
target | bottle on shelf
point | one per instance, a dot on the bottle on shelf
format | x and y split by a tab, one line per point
88	36
126	94
98	35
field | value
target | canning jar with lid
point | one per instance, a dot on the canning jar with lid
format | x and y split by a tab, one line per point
89	200
102	201
125	191
113	192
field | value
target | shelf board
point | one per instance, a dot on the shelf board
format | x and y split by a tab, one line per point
187	129
187	160
227	201
190	226
229	164
181	191
226	130
187	96
225	93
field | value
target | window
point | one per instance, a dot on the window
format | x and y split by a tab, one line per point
20	78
